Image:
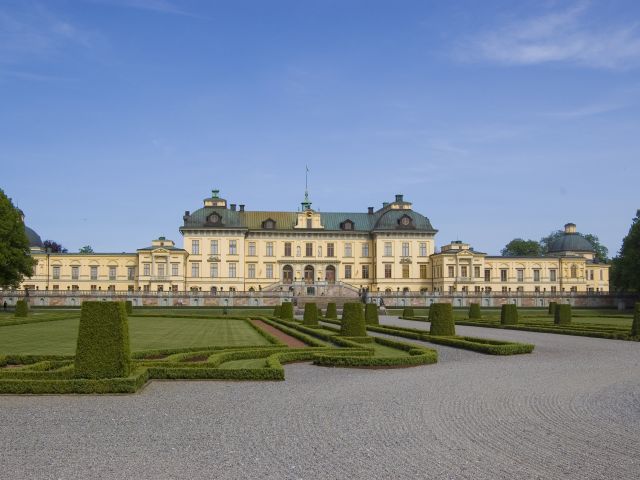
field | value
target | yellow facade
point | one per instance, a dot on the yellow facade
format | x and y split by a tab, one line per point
391	249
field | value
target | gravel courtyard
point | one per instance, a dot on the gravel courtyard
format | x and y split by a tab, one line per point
569	410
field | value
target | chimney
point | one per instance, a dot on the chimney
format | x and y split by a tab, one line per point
399	198
242	207
186	215
570	228
385	204
370	210
233	207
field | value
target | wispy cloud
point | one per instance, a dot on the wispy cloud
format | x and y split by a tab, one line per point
158	6
560	36
614	101
35	31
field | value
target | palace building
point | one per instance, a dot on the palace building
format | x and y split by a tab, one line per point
227	248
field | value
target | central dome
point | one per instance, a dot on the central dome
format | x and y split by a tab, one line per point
570	241
34	239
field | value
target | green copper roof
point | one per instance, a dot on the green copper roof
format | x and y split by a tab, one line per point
570	242
384	219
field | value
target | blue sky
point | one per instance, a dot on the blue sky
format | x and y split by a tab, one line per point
497	119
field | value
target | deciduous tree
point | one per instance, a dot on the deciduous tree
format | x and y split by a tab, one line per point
15	260
625	271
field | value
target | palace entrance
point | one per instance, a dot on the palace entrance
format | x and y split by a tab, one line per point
330	274
287	274
308	274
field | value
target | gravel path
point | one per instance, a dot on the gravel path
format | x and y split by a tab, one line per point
569	410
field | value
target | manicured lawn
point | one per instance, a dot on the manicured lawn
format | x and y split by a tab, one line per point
202	311
248	363
148	333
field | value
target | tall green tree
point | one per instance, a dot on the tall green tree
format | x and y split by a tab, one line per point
86	249
601	252
15	260
625	270
522	248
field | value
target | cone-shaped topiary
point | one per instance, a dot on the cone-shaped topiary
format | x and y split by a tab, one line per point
22	308
509	314
277	311
332	311
371	314
310	317
286	311
128	305
103	341
635	326
353	321
474	310
408	312
441	318
562	315
552	308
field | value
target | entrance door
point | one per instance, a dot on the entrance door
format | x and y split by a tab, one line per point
287	274
330	274
308	274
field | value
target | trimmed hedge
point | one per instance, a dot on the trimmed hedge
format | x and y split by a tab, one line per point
562	315
22	308
441	318
277	311
286	311
103	341
552	308
553	329
319	312
408	312
371	314
332	311
474	310
353	321
635	326
128	304
509	314
310	318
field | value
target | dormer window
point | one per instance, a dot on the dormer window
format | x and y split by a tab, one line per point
405	221
214	218
269	224
347	225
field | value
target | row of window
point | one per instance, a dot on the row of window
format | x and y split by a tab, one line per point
93	275
504	273
308	249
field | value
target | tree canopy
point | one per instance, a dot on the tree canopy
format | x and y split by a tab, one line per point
601	252
625	271
15	259
53	247
86	249
522	248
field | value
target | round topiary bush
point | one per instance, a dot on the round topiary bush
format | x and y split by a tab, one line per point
509	314
441	318
353	321
552	308
562	315
474	310
310	318
22	308
277	311
332	311
371	314
286	311
635	326
408	312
